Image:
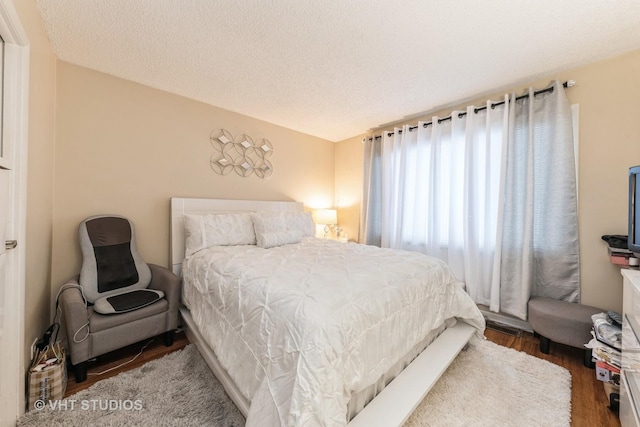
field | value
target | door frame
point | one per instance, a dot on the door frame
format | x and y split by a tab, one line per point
15	123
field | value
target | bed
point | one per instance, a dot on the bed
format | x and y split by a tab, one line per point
307	331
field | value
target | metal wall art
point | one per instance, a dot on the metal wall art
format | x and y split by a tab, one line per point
240	154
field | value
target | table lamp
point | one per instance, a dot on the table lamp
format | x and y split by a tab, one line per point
326	217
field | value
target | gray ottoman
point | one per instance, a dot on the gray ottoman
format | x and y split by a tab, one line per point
562	322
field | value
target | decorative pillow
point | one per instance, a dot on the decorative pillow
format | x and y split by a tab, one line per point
127	301
267	222
285	227
301	221
279	238
204	231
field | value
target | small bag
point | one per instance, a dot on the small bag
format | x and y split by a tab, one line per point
47	376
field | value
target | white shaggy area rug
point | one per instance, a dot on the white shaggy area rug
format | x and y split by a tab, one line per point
491	385
487	385
176	390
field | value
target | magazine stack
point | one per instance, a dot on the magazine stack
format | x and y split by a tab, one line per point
606	349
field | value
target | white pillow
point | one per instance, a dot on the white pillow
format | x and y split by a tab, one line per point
279	238
288	227
204	231
267	222
301	221
291	220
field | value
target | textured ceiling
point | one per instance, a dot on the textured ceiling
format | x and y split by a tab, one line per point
336	69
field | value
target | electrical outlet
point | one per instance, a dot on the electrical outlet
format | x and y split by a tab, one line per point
33	348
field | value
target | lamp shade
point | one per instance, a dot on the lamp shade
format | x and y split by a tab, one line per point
325	216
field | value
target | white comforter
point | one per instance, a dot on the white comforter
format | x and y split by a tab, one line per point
302	326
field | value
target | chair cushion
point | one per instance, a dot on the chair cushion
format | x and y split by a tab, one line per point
101	322
127	301
111	264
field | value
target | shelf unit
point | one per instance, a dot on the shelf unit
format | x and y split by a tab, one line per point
630	387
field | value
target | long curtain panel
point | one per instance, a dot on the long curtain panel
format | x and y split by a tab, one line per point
539	241
491	191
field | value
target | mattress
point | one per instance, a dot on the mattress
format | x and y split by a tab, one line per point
303	328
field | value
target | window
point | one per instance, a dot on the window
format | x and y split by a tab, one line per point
491	191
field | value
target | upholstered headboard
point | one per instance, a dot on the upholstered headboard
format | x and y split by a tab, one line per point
181	206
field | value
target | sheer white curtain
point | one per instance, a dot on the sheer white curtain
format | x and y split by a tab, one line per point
482	191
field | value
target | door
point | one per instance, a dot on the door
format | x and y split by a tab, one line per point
5	279
5	285
5	203
4	220
14	81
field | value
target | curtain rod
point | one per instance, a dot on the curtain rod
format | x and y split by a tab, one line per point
568	83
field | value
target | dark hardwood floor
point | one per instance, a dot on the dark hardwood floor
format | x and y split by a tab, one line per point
589	403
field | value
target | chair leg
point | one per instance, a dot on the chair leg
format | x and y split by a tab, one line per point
80	371
588	362
168	338
545	343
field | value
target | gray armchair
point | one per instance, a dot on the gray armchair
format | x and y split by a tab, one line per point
117	299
